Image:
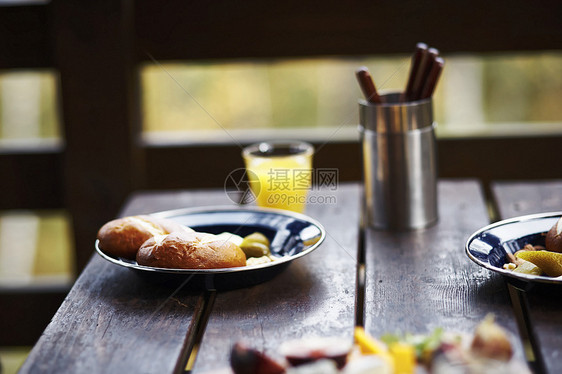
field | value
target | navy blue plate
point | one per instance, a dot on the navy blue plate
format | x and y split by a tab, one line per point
488	246
292	235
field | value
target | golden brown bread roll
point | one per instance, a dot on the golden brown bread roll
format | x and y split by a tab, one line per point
123	237
190	250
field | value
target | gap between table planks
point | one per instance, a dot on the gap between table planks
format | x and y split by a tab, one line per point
421	280
315	295
545	302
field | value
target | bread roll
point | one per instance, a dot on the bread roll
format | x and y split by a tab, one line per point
190	250
553	241
123	237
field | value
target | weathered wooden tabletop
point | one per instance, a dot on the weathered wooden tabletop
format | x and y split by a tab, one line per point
114	322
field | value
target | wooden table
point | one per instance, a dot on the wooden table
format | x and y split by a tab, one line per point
113	322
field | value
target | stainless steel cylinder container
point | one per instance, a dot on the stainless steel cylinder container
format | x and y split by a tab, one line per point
399	163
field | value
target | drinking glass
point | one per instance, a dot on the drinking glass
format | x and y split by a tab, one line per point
280	173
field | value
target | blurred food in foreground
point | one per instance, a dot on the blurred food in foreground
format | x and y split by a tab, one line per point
487	350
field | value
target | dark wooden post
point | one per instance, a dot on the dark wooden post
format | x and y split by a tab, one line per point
94	45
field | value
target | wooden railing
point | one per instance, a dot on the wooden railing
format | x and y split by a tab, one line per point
96	48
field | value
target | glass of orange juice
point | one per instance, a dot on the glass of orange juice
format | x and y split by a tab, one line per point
280	173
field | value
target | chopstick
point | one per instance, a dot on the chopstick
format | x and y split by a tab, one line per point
367	85
425	70
419	54
432	78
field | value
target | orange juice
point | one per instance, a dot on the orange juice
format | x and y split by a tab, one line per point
280	178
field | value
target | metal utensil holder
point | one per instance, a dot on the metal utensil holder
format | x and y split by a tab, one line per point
399	163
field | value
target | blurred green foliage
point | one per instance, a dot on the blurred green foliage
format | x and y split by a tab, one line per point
323	93
307	93
525	88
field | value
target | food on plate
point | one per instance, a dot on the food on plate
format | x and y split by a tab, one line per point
251	261
488	350
526	267
190	250
519	265
236	239
539	260
549	262
553	240
160	242
123	237
255	245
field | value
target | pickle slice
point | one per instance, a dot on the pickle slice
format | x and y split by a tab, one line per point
527	267
549	262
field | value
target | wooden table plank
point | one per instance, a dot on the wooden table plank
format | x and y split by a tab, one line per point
315	295
520	198
420	280
113	322
515	199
